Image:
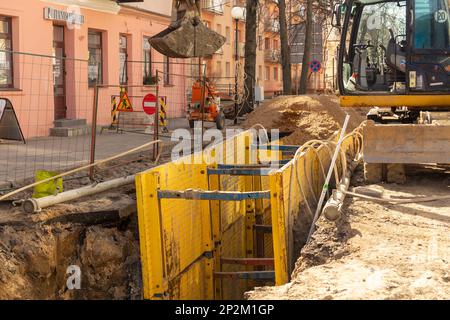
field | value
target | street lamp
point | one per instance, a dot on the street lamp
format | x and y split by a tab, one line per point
237	13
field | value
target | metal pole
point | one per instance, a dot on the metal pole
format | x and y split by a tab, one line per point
156	120
93	131
236	72
202	102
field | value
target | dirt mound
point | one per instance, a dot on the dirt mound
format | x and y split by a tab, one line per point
307	117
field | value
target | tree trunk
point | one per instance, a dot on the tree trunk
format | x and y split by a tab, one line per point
285	49
250	55
308	47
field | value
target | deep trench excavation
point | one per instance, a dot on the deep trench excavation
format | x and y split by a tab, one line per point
100	235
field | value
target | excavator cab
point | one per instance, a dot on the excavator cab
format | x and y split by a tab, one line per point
395	54
394	57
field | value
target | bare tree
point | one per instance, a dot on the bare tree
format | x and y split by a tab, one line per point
250	53
285	48
308	47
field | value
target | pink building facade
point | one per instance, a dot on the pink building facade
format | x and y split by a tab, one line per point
91	39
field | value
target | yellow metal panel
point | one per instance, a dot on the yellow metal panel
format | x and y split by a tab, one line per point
150	236
193	283
217	234
278	229
419	101
176	233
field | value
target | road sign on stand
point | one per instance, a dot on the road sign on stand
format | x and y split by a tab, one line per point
149	104
125	103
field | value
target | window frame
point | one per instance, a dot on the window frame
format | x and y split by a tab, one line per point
125	65
147	65
414	48
9	57
100	46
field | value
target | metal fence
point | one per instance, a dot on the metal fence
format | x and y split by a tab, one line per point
39	93
58	112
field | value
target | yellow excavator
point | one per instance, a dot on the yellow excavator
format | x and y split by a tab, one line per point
394	57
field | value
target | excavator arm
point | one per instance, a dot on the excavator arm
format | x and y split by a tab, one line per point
187	36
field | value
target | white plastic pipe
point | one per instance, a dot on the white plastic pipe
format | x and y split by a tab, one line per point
333	207
33	205
327	180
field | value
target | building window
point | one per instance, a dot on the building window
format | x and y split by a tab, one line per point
219	29
218	69
228	34
228	70
123	57
275	73
267	75
260	43
167	77
275	43
267	43
260	73
6	63
147	70
95	74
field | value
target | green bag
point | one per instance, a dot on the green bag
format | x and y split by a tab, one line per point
50	188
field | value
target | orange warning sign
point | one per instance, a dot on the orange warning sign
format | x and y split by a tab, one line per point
125	103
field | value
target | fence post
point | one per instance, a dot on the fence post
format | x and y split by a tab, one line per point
250	213
93	131
156	124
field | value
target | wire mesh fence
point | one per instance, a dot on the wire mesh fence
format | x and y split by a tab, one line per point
61	112
57	112
42	93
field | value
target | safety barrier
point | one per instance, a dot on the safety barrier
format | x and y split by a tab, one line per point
217	223
190	245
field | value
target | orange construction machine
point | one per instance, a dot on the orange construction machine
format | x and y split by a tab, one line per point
210	111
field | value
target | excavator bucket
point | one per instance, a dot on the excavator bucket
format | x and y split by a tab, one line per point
187	41
187	36
406	143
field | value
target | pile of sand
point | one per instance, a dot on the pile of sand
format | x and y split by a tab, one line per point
306	117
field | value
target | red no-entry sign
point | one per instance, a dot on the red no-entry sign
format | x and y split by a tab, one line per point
149	104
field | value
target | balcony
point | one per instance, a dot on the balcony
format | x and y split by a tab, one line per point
272	55
214	6
272	25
